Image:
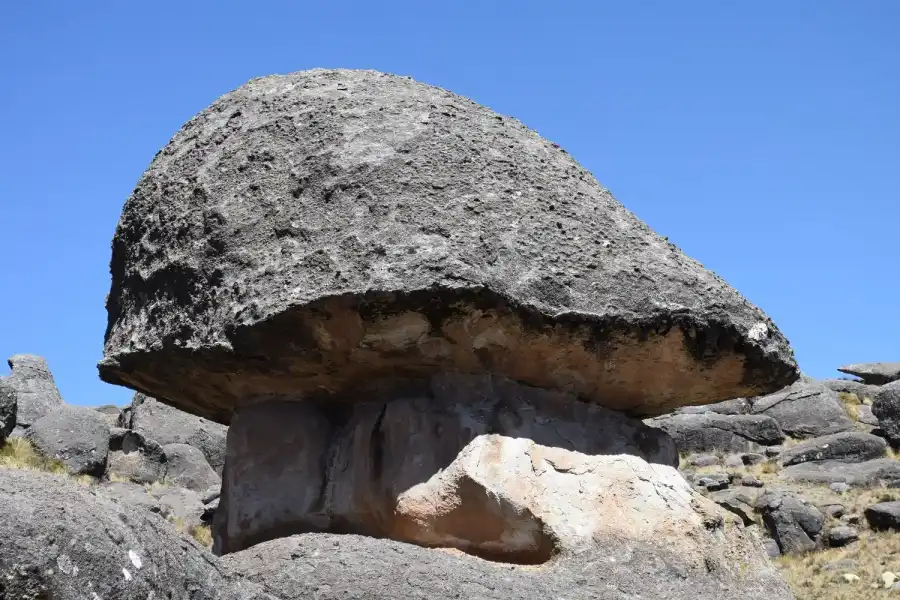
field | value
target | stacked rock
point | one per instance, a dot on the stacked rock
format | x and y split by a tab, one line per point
424	322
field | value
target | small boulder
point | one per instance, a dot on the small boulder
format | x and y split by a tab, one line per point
713	481
182	507
771	547
847	446
805	409
884	515
75	435
168	425
709	432
704	460
187	467
751	481
886	408
841	536
135	458
835	511
791	522
34	388
878	373
838	487
851	386
739	502
865	415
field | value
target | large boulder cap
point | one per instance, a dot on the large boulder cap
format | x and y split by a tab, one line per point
331	232
878	373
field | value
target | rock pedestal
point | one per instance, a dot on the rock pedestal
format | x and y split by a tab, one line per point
424	322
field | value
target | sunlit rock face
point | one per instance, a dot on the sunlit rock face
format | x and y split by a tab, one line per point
324	232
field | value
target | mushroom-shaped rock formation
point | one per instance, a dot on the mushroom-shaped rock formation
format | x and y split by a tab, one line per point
423	322
328	233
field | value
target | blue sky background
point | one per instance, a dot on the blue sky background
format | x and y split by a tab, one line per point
762	137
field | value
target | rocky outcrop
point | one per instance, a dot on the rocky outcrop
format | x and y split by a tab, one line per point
32	385
709	431
167	425
847	446
478	463
186	467
135	458
333	567
878	373
62	541
804	410
886	409
792	523
76	435
884	515
862	390
314	260
8	409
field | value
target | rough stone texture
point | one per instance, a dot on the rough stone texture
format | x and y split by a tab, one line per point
878	373
187	467
791	522
473	462
841	536
866	416
847	446
35	391
884	515
851	386
182	506
134	457
886	408
111	413
737	501
59	540
8	409
865	474
735	406
772	549
76	435
332	232
168	425
705	460
331	567
714	481
708	432
805	409
130	493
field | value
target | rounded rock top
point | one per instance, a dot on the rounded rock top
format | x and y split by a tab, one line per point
329	233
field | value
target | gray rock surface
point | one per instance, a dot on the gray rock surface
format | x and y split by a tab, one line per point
804	410
60	540
737	501
338	229
735	406
847	446
713	481
791	522
704	460
8	409
878	373
35	391
709	432
865	474
187	467
135	458
772	549
886	408
182	506
851	386
841	536
76	435
866	416
345	567
884	515
111	413
168	425
130	493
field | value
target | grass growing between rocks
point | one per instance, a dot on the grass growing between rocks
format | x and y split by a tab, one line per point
201	533
18	453
831	574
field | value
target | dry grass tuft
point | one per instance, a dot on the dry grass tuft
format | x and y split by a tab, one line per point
18	453
851	404
203	535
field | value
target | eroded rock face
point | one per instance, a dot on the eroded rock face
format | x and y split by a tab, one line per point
8	409
35	391
332	567
333	233
805	409
76	435
709	431
477	463
60	540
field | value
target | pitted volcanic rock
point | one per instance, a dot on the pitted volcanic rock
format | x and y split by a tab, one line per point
334	232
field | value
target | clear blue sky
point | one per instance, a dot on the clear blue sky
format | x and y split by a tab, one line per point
761	137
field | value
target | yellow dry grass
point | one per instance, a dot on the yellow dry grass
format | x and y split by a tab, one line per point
18	453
